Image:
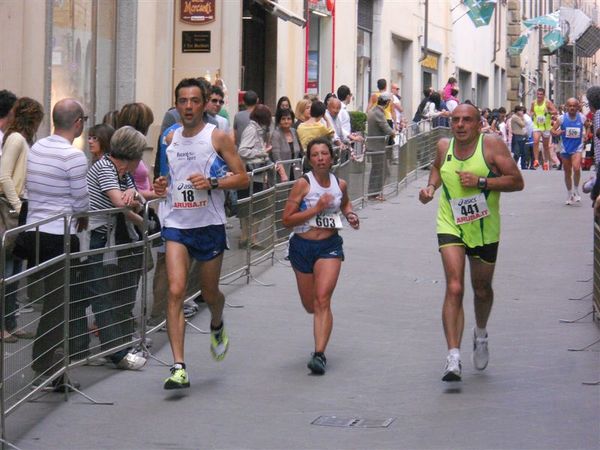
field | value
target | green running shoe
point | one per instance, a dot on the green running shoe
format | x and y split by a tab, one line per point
178	379
317	363
219	343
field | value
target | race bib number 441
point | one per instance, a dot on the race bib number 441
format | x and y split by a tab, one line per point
469	209
185	196
332	220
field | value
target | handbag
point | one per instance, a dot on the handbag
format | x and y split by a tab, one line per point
9	219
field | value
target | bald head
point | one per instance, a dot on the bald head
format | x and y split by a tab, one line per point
333	106
572	106
468	108
66	112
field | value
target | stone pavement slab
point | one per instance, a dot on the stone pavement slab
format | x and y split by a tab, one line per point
386	355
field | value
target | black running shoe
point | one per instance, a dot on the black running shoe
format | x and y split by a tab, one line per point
317	363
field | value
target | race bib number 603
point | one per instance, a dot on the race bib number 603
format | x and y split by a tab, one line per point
331	221
469	209
185	196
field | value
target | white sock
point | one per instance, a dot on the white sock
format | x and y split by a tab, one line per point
454	352
480	332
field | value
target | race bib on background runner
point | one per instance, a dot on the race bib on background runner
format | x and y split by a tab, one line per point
185	196
469	209
541	119
330	221
573	132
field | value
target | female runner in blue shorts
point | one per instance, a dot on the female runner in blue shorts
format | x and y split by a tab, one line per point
313	208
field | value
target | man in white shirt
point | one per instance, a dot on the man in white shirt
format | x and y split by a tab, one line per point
56	184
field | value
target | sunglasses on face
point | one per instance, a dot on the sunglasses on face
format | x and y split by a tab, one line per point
216	100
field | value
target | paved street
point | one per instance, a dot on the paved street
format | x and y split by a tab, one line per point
386	355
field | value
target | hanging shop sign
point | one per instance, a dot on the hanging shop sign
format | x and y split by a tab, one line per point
321	7
197	12
430	62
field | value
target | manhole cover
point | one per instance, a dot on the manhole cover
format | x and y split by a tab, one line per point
352	422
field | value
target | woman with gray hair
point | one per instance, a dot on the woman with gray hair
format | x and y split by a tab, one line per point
111	185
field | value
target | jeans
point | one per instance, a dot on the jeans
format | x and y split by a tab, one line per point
519	151
49	339
111	290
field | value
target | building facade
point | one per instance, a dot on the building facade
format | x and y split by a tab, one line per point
110	52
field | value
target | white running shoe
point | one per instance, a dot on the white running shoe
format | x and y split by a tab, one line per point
576	197
569	200
132	361
481	354
453	369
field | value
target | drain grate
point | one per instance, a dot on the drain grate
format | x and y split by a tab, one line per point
352	422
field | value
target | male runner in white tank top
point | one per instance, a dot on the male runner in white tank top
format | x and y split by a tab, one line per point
194	223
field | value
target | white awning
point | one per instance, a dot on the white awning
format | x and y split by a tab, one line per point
283	13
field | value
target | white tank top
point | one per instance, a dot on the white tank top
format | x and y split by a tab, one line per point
187	207
324	219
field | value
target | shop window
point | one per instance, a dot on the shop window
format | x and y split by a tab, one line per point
83	54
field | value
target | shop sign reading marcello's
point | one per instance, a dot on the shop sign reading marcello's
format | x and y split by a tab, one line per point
197	12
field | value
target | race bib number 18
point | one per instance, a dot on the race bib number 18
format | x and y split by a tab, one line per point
469	209
331	221
185	196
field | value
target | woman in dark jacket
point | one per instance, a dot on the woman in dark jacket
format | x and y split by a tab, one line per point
285	145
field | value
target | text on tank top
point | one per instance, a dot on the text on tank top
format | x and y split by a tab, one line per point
189	207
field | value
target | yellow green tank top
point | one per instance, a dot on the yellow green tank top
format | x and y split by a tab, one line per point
541	117
472	214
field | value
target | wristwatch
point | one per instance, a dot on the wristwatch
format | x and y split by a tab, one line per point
214	183
482	183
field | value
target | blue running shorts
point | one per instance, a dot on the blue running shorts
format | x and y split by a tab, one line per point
304	253
203	244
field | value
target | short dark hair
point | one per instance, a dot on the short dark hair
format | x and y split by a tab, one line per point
216	90
317	109
103	133
343	92
281	113
7	101
381	83
318	141
191	82
541	90
451	80
261	115
250	98
453	92
502	110
427	92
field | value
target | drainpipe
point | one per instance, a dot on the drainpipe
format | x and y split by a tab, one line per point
425	33
497	30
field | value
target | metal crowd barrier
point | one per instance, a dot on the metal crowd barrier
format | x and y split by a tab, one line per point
98	297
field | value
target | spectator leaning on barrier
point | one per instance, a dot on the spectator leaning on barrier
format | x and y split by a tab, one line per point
56	185
111	186
378	133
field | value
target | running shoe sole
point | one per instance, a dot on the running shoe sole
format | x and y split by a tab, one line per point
170	384
451	376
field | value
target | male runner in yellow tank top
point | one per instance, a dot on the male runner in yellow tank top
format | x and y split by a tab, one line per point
471	169
541	112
